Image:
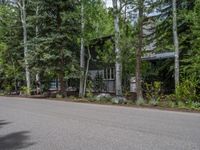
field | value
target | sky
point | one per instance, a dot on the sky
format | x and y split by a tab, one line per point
108	3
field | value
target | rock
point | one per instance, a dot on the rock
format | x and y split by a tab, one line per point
103	96
59	96
46	94
119	100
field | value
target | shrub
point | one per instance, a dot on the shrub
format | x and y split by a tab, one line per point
140	102
171	97
8	89
181	104
153	92
89	93
153	102
24	90
98	83
186	91
172	104
59	96
194	105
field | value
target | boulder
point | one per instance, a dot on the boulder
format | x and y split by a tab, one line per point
119	100
103	97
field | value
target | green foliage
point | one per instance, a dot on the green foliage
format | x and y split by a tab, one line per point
181	104
98	83
54	49
186	95
3	46
172	104
105	53
8	89
59	96
98	21
191	60
194	105
171	98
153	92
186	91
89	90
11	54
140	102
24	90
128	48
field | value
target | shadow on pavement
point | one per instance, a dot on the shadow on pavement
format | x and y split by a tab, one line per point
15	141
3	122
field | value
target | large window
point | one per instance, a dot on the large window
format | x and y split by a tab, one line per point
109	74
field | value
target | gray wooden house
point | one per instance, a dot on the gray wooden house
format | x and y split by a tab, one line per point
101	75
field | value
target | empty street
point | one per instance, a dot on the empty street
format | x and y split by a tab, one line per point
54	125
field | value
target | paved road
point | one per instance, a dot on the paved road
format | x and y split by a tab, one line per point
50	125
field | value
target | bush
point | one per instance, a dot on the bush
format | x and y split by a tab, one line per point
140	102
172	104
153	102
171	97
181	104
89	93
59	96
153	92
24	90
194	105
186	92
8	89
98	83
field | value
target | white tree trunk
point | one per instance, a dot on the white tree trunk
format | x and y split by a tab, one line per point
118	64
23	20
176	43
82	53
38	85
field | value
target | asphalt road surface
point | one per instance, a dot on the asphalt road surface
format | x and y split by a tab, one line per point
52	125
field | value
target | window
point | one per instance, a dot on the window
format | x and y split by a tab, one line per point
112	73
109	73
53	84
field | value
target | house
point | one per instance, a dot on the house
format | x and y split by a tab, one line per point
101	75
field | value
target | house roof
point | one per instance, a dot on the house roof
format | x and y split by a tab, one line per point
100	39
158	56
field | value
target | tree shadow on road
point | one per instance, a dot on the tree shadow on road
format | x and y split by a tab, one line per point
14	141
3	123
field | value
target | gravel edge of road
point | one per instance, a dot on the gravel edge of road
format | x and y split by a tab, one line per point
107	104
